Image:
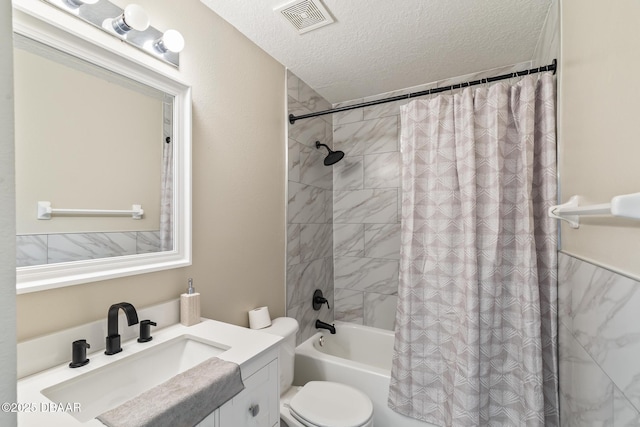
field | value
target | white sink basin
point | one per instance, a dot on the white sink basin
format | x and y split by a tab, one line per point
111	385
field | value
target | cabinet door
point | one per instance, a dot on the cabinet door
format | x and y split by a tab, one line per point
212	420
258	404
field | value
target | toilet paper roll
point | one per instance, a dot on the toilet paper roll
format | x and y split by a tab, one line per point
259	318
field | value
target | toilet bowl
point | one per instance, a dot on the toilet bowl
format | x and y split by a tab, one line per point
317	403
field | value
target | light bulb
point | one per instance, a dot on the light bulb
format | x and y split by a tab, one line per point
133	18
171	41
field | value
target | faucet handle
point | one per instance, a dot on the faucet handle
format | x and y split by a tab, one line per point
79	353
145	330
319	299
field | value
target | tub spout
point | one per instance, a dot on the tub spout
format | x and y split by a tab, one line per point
321	325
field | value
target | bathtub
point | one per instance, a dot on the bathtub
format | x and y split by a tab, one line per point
359	356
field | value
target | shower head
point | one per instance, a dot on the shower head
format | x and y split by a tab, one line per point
333	157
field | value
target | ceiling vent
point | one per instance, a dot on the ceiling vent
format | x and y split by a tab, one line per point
305	15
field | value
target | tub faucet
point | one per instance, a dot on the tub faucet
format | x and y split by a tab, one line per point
113	338
321	325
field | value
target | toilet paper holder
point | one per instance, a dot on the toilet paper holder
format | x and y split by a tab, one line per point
318	300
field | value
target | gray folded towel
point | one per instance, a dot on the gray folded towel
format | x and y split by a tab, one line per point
182	401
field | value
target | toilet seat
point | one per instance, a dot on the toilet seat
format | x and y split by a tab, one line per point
331	404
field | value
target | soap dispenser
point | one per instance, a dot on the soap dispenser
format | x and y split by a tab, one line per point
190	306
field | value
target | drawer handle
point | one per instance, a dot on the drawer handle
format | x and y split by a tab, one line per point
254	410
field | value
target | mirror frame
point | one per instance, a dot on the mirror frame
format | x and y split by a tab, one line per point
41	22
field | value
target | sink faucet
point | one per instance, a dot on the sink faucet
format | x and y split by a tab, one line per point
321	325
113	338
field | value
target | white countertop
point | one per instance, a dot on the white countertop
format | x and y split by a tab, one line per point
34	409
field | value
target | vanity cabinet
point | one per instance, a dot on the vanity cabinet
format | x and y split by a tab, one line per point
255	406
258	404
95	387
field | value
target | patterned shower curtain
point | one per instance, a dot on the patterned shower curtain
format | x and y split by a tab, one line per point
166	186
476	331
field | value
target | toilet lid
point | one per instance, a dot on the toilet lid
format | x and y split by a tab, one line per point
329	404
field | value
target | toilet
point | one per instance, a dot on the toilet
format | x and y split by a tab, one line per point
317	403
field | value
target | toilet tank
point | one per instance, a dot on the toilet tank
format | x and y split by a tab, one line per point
285	327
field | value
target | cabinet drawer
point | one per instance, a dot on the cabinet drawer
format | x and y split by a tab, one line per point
258	404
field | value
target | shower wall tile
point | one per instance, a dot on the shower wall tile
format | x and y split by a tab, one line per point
367	137
348	240
315	241
367	274
390	108
43	249
568	268
309	131
312	169
293	244
303	279
306	317
366	194
81	246
366	206
349	306
349	116
586	390
382	170
292	85
148	242
293	155
309	209
306	204
328	205
383	110
382	241
605	323
380	310
296	108
599	344
348	174
310	99
31	250
624	414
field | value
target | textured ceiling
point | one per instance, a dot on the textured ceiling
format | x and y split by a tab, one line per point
377	46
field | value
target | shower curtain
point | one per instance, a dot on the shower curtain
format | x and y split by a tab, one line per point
476	330
166	198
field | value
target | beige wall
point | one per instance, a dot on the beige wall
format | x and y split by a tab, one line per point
599	125
238	186
97	145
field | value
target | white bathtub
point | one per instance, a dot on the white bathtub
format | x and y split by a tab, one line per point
359	356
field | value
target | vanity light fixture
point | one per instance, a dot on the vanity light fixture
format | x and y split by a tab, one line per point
132	18
131	25
77	3
171	41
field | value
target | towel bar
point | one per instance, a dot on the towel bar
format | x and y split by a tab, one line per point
625	205
45	211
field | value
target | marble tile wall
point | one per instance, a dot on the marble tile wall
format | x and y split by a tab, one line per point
41	249
309	209
366	205
366	215
599	346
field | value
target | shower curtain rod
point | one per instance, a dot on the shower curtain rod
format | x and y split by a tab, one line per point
551	67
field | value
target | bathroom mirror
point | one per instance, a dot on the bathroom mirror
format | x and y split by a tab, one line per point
99	132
